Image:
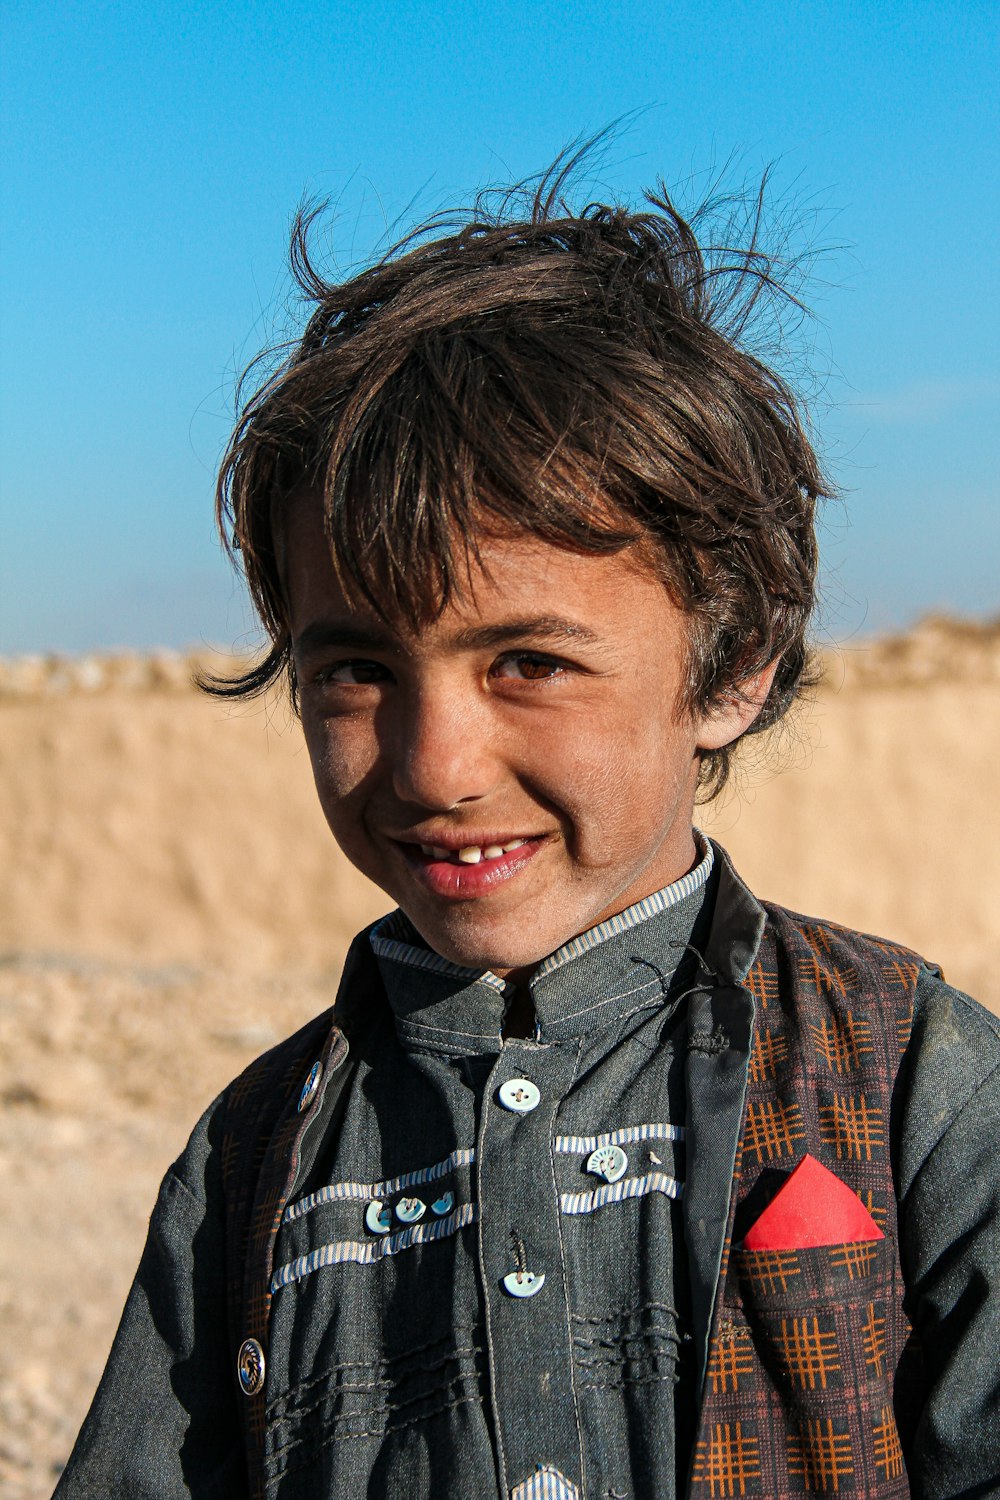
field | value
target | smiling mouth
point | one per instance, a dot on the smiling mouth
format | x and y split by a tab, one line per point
470	854
467	872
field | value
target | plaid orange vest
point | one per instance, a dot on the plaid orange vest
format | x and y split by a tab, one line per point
813	1369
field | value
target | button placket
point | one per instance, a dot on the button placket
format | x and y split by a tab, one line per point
521	1260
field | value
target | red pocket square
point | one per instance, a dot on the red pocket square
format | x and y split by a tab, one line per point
813	1208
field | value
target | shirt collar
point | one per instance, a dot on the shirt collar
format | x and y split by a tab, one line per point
590	982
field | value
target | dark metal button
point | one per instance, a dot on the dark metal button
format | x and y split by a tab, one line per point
311	1086
250	1367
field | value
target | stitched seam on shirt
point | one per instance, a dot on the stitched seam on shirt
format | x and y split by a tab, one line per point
444	1049
450	1049
645	1335
595	1361
494	1394
342	1437
419	1027
614	999
381	1364
640	1309
610	1385
383	1387
657	1003
385	1409
620	1360
565	1285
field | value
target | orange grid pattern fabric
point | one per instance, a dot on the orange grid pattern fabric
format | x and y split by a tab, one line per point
811	1356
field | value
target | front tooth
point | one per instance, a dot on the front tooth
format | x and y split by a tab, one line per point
470	856
514	844
438	853
427	849
493	851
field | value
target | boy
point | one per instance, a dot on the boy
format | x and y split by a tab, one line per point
602	1179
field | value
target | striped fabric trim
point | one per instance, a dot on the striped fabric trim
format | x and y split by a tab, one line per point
337	1192
396	925
615	1192
386	945
546	1484
367	1252
659	901
626	1136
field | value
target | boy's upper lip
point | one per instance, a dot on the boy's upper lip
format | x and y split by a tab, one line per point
454	839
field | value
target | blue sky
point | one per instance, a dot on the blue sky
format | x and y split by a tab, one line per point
153	155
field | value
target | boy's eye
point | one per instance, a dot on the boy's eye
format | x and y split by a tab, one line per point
355	672
530	666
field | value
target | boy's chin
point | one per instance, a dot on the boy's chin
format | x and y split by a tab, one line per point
499	961
501	955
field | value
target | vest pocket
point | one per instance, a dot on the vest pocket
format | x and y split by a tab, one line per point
804	1337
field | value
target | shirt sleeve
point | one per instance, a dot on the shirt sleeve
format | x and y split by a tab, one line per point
949	1217
165	1421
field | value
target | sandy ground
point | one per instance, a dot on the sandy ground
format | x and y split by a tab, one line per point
172	904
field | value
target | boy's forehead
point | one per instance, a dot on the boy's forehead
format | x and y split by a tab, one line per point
505	584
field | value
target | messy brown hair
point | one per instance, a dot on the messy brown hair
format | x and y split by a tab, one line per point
523	366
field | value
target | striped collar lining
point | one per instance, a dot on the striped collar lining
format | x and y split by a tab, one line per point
649	906
394	936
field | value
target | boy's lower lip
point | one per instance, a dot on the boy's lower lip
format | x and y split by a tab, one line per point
461	882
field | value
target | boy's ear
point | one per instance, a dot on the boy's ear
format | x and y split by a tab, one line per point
736	710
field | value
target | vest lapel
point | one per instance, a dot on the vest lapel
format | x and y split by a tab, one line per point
720	1026
719	1036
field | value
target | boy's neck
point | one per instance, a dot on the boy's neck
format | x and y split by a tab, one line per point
520	1018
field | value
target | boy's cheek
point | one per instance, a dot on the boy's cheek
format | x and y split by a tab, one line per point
342	753
345	787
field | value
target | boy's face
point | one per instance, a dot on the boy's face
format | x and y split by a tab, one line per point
539	711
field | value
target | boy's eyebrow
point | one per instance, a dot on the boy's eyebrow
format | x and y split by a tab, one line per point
546	627
323	633
342	633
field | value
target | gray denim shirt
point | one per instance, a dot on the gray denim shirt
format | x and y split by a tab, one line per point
478	1283
531	1393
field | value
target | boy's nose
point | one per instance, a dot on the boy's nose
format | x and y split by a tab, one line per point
443	754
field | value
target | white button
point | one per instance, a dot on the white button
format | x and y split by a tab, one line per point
609	1162
378	1217
409	1210
311	1086
444	1204
523	1283
519	1094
